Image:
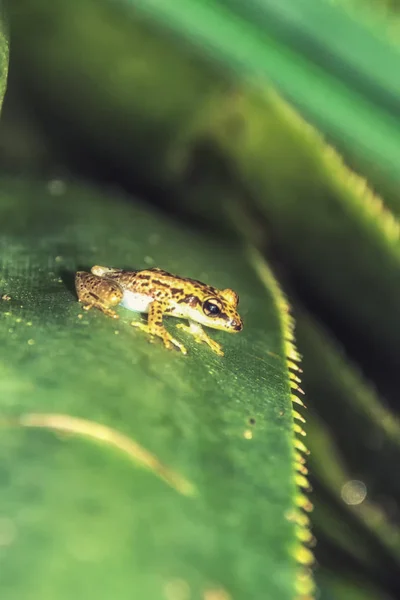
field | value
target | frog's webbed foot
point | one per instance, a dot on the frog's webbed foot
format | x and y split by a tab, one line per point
170	341
155	327
97	292
200	336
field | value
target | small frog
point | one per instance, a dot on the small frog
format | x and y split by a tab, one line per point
159	293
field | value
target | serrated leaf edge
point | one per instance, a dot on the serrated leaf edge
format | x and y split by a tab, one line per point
304	585
362	197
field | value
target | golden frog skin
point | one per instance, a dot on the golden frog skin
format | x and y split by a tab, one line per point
159	293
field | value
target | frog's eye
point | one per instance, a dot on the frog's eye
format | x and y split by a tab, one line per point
211	308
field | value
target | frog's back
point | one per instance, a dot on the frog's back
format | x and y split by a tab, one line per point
179	287
158	284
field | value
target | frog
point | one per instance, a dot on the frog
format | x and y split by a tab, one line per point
158	293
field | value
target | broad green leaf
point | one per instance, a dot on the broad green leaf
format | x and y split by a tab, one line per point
127	468
386	10
386	188
307	26
384	13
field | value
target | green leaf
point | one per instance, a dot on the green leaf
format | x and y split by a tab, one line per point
127	468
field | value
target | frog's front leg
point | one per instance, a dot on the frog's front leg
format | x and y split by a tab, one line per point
155	326
98	292
201	337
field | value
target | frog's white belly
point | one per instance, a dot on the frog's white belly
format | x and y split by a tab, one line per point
136	302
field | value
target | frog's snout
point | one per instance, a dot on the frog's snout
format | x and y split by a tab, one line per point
237	324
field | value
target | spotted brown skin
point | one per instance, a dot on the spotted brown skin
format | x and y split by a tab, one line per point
98	293
160	293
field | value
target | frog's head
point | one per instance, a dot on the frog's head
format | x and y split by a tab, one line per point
217	310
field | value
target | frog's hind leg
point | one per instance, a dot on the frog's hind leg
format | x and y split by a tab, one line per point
98	292
155	326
